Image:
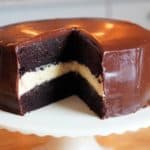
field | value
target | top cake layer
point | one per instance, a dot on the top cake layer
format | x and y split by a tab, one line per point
112	34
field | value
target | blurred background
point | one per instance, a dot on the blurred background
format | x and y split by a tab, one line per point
137	11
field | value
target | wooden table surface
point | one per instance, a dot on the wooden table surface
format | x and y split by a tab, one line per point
139	140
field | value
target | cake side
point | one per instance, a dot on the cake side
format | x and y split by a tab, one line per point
56	53
122	81
47	58
8	79
144	82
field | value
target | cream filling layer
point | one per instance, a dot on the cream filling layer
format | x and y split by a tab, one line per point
45	73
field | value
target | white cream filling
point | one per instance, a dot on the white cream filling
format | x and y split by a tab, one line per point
45	73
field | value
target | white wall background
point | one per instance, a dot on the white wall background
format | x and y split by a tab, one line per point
12	11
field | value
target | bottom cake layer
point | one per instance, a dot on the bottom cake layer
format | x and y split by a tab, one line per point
61	87
66	85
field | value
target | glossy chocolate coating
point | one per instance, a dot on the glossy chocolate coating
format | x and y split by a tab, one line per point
124	50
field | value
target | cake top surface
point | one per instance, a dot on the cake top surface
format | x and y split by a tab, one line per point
111	34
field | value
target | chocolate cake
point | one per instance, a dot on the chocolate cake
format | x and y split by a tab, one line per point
105	62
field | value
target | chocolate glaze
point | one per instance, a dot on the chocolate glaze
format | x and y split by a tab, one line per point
121	53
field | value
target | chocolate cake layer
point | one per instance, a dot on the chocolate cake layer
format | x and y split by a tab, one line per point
88	94
116	51
64	46
64	86
49	92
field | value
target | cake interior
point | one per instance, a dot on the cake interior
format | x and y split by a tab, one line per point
70	83
72	66
46	73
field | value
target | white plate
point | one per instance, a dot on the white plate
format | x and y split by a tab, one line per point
71	117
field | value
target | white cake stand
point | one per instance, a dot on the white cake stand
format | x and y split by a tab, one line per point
72	124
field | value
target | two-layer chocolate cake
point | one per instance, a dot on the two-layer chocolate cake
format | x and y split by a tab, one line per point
105	62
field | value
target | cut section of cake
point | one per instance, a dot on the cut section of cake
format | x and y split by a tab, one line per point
102	61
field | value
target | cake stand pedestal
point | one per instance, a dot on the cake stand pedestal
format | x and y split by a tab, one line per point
72	125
